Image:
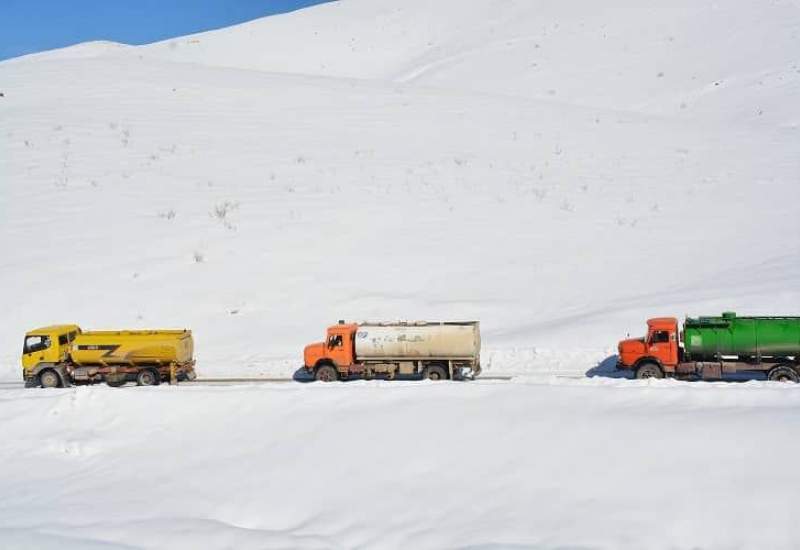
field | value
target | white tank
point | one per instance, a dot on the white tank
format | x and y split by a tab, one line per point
456	340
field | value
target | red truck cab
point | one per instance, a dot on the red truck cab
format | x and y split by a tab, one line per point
654	355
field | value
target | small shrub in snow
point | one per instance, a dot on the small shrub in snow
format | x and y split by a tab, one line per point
221	212
222	209
623	222
198	257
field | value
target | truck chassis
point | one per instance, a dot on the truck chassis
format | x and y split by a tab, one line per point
55	375
434	368
783	370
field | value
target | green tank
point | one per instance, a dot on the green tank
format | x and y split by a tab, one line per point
745	338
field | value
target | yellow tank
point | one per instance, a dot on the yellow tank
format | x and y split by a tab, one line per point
132	347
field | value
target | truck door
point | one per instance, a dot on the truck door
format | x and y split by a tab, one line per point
37	349
339	348
663	346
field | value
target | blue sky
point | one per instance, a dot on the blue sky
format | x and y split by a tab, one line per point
28	26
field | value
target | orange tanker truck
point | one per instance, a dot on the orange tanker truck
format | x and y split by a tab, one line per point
433	350
711	347
63	355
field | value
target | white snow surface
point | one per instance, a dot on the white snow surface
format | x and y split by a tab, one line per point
543	464
560	171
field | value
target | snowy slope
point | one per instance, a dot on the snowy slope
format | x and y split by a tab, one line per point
173	185
683	58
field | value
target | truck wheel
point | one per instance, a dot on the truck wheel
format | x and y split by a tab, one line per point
49	379
783	373
649	370
147	378
434	372
116	380
326	373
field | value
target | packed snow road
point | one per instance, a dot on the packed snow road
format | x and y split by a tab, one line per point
540	463
14	385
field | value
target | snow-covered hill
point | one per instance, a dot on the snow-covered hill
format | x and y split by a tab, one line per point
686	58
224	182
558	170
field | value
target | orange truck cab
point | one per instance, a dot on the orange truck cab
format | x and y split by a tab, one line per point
337	350
656	354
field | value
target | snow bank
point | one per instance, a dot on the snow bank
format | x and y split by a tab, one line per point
547	464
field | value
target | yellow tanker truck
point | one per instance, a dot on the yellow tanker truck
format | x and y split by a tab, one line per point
62	355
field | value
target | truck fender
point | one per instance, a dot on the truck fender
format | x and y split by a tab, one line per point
57	368
648	359
323	362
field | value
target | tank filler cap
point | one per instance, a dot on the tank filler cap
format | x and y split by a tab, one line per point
728	315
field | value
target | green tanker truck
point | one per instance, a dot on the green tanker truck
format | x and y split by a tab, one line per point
710	347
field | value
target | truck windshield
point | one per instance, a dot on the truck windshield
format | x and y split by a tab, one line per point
34	343
335	341
659	336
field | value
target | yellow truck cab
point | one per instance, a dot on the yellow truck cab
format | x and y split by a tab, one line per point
46	346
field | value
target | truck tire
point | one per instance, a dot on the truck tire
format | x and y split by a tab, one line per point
783	373
326	373
649	370
147	377
434	372
116	380
49	379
